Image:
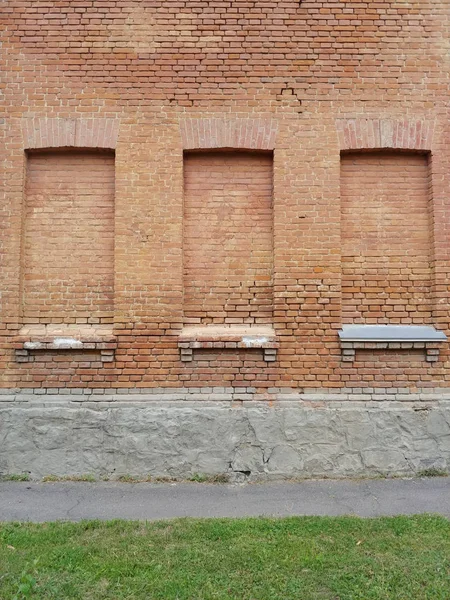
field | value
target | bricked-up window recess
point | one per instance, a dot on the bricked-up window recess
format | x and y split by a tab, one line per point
386	238
386	247
68	250
228	250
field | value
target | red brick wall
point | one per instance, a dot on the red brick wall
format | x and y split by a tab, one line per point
150	79
228	237
378	368
68	240
188	53
386	238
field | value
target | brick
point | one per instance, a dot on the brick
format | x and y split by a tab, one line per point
284	90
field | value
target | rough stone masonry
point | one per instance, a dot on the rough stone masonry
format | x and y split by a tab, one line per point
199	201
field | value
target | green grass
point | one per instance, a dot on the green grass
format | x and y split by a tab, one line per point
305	558
79	478
204	478
195	477
87	477
15	477
432	472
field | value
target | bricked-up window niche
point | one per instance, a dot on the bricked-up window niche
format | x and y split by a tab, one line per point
228	237
386	237
68	237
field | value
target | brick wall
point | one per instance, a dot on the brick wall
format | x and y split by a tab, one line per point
386	238
228	238
195	53
68	239
153	79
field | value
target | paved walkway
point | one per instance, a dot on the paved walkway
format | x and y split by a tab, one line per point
111	500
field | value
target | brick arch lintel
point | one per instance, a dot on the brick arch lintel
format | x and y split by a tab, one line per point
42	132
401	134
209	133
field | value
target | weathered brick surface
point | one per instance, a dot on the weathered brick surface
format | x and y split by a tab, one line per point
151	79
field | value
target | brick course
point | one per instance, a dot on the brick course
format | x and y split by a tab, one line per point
151	79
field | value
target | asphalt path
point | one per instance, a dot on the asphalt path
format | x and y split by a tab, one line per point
74	501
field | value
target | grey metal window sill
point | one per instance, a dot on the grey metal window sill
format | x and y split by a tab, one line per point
390	337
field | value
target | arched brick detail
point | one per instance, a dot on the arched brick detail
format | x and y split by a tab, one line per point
253	134
73	133
403	134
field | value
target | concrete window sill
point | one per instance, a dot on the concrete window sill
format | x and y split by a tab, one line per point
228	337
61	337
390	337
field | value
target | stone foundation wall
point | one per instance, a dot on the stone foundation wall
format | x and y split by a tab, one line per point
309	435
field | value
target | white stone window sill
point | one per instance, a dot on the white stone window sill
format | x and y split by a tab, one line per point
62	337
228	337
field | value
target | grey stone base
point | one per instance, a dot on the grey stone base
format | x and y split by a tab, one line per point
153	435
